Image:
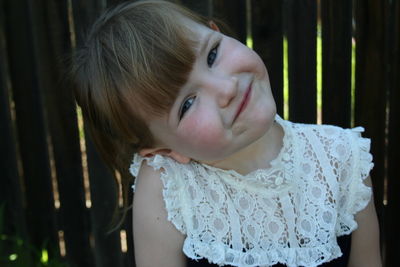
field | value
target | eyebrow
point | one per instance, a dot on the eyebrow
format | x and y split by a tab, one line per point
205	41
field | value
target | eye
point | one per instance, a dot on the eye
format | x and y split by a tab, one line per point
186	106
212	55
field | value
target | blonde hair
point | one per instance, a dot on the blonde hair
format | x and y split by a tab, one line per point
131	67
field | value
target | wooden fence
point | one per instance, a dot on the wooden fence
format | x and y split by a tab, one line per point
53	185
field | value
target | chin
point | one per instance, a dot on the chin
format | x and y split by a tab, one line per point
266	117
261	131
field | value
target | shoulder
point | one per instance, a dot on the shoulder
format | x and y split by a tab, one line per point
157	241
147	178
148	205
318	133
331	144
334	139
365	250
147	200
322	130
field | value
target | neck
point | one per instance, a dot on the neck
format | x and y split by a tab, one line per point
258	155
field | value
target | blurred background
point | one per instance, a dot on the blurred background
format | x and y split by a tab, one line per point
329	61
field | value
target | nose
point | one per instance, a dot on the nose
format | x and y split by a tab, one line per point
226	91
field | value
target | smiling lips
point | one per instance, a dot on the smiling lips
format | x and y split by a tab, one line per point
244	102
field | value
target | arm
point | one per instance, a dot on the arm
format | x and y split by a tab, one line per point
365	251
157	241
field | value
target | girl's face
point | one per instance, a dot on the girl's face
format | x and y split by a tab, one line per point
225	106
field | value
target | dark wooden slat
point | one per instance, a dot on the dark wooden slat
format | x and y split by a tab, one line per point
130	255
30	125
392	219
301	21
111	3
84	14
336	18
102	190
102	187
267	33
53	43
377	63
370	99
11	197
233	13
203	7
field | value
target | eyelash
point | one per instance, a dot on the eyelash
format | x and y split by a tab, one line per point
184	108
212	55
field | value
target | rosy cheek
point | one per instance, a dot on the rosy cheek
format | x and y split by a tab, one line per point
203	134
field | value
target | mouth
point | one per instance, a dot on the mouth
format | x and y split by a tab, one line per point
244	102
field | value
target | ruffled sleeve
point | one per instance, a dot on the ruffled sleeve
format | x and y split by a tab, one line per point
134	168
172	184
355	195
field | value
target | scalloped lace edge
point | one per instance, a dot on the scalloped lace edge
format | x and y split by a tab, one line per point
363	193
222	254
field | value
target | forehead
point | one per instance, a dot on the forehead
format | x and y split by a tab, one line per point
199	34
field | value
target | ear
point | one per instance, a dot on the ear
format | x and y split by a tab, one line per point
213	26
149	152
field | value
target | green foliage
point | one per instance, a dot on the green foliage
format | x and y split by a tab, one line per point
16	252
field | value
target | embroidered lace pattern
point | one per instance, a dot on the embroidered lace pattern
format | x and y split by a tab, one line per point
290	213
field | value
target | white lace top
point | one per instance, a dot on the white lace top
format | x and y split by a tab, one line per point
290	213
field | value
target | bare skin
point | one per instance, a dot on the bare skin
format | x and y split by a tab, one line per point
157	242
365	249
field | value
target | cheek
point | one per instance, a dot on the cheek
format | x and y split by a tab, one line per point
202	134
249	60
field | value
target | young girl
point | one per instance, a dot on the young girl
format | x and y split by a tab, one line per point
221	179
